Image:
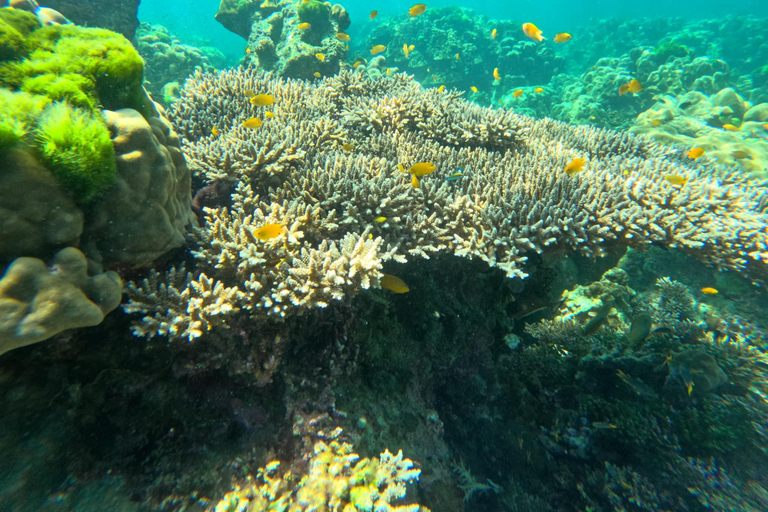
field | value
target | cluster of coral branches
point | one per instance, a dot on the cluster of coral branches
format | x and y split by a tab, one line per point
325	165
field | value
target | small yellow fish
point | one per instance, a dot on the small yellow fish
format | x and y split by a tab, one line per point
730	128
304	26
269	115
347	147
341	36
517	93
393	284
707	290
533	32
262	100
676	179
316	74
695	153
635	86
320	56
422	168
494	32
623	89
574	166
215	131
373	14
415	181
405	50
247	50
441	88
473	88
400	168
252	123
538	90
389	71
562	37
496	75
380	220
457	56
377	49
417	9
356	63
268	231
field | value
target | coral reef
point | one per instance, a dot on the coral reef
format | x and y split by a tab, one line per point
292	172
82	132
167	61
37	302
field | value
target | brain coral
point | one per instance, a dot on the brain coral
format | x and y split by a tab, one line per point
513	200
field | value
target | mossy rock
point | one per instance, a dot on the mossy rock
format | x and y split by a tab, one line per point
15	26
670	49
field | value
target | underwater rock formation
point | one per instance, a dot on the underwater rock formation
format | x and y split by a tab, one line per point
37	302
60	83
323	167
120	17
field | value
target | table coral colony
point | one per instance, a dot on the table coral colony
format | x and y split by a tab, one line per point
327	163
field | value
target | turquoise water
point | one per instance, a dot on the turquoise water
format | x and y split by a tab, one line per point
299	259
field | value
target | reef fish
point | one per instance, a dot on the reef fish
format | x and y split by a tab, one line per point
341	36
473	88
320	56
599	319
640	328
393	284
441	88
417	9
633	86
455	176
304	26
517	93
316	74
405	50
347	147
708	290
252	123
562	37
533	32
574	166
373	14
268	232
380	220
494	32
496	75
421	168
458	56
538	90
730	128
215	131
262	100
377	49
695	153
696	367
676	179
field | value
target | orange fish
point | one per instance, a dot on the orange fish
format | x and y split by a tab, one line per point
517	93
730	128
493	33
496	75
695	153
533	32
417	9
538	90
341	36
377	49
574	166
373	14
562	37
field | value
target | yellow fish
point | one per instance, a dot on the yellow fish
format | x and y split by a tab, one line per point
517	93
574	166
268	231
533	32
496	75
380	220
262	100
247	50
347	147
707	290
316	74
377	49
635	86
417	9
393	284
320	56
215	131
373	14
252	123
304	26
494	32
415	182
457	56
389	71
422	168
405	50
356	63
341	36
695	153
562	37
538	90
400	168
765	126
473	88
441	88
730	128
410	49
269	115
676	179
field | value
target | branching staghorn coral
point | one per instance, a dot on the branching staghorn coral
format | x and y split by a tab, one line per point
324	166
